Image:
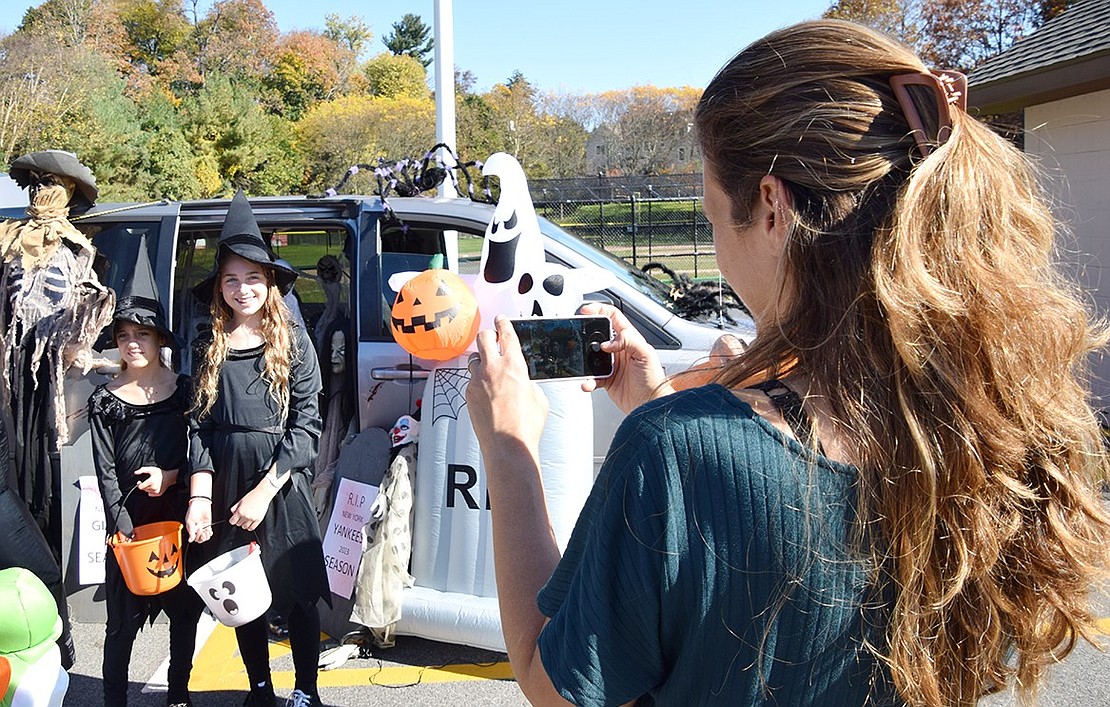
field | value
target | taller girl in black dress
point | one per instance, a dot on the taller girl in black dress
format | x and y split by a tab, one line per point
254	434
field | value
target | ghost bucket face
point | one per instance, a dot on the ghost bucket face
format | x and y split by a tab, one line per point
234	586
435	316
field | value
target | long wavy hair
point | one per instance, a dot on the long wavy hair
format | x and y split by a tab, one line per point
921	300
277	356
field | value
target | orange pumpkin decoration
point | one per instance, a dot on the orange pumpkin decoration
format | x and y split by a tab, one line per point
435	316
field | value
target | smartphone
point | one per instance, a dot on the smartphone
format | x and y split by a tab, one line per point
565	347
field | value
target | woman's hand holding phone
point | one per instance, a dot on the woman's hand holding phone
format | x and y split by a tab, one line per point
638	377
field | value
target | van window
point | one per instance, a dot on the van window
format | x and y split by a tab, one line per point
117	247
320	298
409	246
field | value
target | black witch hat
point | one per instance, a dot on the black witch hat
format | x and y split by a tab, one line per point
240	236
138	300
30	168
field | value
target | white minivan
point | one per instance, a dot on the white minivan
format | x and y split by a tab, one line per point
347	247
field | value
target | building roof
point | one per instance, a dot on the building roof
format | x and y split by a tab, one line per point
1068	56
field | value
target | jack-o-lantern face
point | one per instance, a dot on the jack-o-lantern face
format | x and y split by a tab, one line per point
163	564
435	316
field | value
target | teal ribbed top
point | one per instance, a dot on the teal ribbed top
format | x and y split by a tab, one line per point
712	565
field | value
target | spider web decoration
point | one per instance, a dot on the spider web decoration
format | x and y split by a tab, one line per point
449	393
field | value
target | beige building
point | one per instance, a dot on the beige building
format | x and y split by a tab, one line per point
1059	77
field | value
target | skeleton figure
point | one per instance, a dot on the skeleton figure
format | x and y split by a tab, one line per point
53	310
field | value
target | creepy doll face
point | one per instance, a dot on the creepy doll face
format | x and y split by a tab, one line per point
244	286
138	344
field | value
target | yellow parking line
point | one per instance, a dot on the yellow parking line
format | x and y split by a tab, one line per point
1104	625
218	667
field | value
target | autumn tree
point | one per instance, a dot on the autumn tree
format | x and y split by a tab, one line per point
960	34
306	70
956	34
394	75
236	38
644	128
897	18
358	129
412	37
155	31
34	90
67	20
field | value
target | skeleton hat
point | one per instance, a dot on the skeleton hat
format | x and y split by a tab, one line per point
240	236
27	170
138	300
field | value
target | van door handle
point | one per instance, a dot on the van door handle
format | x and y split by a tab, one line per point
398	374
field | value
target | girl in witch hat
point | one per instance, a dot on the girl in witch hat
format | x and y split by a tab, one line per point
255	430
139	439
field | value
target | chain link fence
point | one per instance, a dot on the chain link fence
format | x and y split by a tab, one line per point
643	219
671	231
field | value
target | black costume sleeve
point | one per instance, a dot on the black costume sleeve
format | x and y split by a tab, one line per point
298	447
104	461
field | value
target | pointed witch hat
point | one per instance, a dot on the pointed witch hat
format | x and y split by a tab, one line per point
138	300
240	236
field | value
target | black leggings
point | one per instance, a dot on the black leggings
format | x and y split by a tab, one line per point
304	639
126	615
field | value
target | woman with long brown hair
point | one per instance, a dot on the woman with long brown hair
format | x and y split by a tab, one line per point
254	434
890	496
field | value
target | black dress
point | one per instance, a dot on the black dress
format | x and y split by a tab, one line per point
240	439
126	437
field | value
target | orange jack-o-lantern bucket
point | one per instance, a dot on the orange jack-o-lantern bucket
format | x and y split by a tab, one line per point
151	560
435	315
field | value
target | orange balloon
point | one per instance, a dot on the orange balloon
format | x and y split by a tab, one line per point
435	316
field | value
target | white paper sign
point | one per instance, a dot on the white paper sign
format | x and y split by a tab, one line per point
343	538
91	533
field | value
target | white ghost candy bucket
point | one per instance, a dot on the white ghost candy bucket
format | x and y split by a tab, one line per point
233	585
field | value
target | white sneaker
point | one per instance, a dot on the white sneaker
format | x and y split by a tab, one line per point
299	698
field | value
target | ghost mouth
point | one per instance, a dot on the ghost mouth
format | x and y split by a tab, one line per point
501	260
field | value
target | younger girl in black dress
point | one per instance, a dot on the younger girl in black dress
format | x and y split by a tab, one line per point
139	438
255	431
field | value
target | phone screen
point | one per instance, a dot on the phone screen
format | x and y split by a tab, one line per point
565	347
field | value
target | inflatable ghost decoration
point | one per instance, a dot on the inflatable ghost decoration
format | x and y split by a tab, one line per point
512	252
29	627
515	278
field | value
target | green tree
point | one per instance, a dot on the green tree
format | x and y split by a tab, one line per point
235	143
412	37
351	33
395	75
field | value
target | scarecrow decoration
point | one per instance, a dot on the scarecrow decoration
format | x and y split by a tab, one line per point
54	310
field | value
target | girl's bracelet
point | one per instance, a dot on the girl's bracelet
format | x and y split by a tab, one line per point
273	481
199	497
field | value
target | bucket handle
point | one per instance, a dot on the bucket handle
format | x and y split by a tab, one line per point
186	545
115	521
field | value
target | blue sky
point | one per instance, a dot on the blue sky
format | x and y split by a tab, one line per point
576	46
